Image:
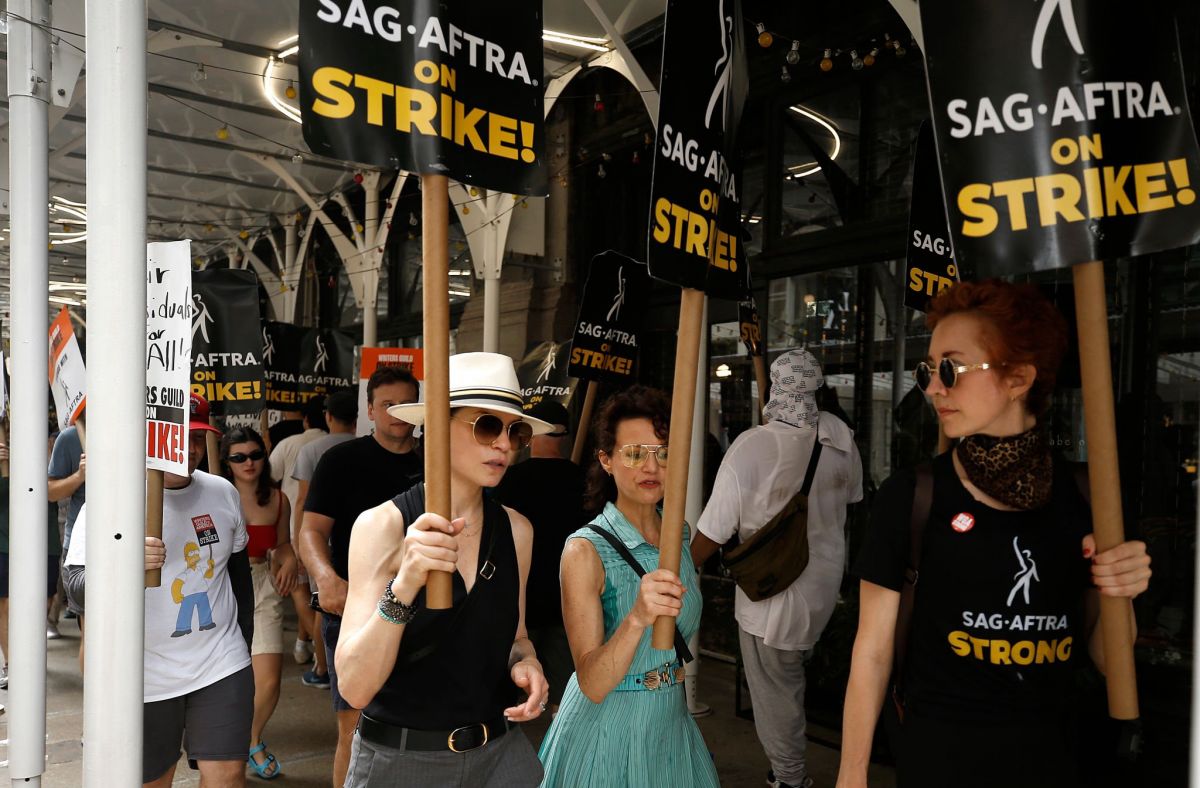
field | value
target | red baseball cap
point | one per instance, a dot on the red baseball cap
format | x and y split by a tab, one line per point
199	415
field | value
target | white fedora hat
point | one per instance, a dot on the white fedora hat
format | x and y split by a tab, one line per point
479	380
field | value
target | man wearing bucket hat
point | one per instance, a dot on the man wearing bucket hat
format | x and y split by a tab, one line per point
796	451
199	688
548	489
442	691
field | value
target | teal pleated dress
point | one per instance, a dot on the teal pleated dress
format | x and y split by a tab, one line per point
636	737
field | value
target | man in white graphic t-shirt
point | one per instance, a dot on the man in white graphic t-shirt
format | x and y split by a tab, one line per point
199	623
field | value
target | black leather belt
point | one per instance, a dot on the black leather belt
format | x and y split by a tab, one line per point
463	739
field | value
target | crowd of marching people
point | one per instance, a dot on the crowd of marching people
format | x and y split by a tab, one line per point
557	583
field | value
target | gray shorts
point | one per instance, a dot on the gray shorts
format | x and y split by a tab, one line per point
507	762
213	723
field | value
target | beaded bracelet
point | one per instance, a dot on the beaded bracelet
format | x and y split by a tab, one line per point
393	610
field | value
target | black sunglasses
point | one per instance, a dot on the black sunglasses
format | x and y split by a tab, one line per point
486	429
239	458
947	371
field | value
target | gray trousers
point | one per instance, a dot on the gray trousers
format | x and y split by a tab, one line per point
506	762
776	680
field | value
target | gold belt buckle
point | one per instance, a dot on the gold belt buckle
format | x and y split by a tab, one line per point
453	733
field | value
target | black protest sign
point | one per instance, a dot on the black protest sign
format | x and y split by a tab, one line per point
930	256
227	343
605	345
326	363
281	363
445	88
695	206
543	374
1063	131
750	327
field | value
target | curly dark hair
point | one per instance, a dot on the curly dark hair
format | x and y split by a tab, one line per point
635	402
262	492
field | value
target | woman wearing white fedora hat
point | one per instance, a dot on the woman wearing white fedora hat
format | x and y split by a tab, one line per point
442	691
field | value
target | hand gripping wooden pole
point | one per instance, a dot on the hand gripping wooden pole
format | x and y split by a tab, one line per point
683	407
1104	479
435	303
585	422
154	518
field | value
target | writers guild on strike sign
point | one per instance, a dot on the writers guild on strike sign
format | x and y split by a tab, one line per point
427	87
1057	147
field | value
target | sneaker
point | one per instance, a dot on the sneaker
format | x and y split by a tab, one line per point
302	652
771	781
310	679
52	632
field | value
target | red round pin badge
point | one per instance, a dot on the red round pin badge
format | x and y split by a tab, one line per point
963	522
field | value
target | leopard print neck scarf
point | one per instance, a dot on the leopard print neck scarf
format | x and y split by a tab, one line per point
1016	470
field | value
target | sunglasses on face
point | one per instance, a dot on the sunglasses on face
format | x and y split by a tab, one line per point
487	428
947	372
239	458
634	455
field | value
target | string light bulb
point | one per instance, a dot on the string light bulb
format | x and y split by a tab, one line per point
290	90
900	50
358	228
208	228
297	158
827	60
199	75
473	191
598	104
856	62
358	177
793	55
600	171
244	234
223	133
765	39
785	76
869	58
412	220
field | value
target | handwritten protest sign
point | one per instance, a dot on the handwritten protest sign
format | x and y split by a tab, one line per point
429	87
68	377
168	354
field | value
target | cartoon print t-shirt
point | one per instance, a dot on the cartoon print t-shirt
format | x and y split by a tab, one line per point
192	634
998	623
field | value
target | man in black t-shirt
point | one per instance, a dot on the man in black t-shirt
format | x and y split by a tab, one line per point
548	489
350	478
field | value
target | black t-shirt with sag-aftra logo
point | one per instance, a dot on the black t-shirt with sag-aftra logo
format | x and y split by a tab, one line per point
998	627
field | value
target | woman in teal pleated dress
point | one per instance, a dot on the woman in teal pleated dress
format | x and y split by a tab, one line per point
623	720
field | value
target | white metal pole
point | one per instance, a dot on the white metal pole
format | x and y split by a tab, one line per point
491	314
116	266
695	504
28	94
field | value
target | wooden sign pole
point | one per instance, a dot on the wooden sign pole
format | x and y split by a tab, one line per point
683	407
764	388
435	210
213	446
154	518
585	422
1104	478
82	435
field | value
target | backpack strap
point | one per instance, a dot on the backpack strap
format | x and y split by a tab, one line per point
811	473
681	647
921	506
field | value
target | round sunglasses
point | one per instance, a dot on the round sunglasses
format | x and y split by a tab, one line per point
239	458
947	372
634	455
487	428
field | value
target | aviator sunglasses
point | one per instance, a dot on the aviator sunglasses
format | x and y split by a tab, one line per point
947	372
634	455
486	429
239	458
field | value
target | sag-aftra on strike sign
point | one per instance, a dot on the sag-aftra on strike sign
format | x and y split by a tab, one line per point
1063	131
449	88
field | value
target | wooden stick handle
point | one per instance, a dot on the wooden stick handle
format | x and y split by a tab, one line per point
585	422
683	407
1104	478
212	445
435	197
82	435
154	519
764	388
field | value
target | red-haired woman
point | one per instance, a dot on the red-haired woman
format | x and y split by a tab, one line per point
1009	576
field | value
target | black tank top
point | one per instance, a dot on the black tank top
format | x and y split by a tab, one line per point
452	667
